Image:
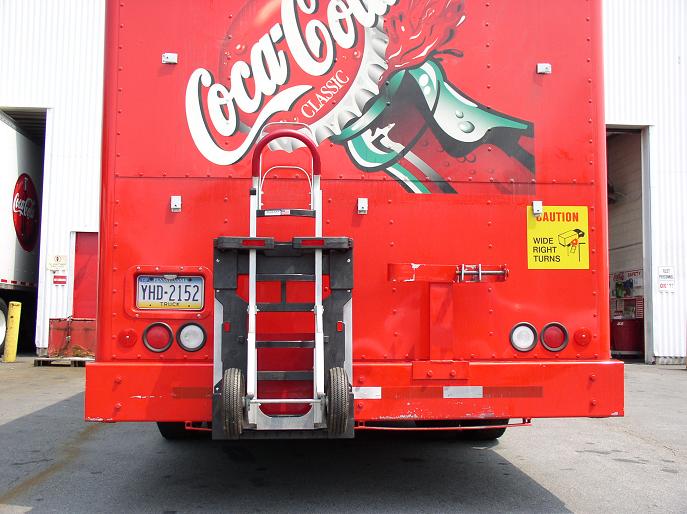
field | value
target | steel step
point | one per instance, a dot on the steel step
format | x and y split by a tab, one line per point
286	340
266	213
286	401
285	307
289	277
285	375
299	343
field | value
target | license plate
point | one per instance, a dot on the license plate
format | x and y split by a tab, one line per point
160	292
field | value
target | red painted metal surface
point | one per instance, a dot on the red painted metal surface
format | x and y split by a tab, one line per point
177	391
163	135
85	275
149	392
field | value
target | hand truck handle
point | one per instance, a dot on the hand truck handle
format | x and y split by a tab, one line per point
260	146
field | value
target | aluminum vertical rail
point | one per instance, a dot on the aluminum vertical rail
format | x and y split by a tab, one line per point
319	310
252	364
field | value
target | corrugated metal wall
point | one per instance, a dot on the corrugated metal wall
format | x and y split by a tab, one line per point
52	57
646	85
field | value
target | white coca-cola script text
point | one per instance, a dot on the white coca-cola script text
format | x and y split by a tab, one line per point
311	46
26	208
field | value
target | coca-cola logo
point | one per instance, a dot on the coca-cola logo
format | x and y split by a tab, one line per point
368	75
25	212
307	57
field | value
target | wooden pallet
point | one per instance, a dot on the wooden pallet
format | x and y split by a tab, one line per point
74	362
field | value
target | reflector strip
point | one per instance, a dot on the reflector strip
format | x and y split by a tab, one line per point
367	393
312	242
514	392
447	392
191	392
412	393
463	392
17	282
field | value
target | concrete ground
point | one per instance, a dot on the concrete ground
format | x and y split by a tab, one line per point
51	461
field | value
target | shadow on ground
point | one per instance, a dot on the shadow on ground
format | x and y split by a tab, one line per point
53	461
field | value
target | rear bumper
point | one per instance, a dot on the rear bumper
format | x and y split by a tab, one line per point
148	392
382	391
489	390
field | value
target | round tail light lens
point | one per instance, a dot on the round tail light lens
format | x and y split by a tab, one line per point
554	337
523	337
158	337
191	337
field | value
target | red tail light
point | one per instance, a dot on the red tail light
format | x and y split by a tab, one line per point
312	242
554	337
252	243
158	337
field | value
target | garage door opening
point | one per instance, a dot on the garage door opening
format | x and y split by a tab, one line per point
22	150
626	243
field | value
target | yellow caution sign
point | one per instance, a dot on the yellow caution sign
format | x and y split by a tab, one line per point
558	238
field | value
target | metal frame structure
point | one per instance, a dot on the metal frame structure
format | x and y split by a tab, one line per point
291	256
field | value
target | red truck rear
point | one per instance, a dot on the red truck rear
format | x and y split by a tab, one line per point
328	216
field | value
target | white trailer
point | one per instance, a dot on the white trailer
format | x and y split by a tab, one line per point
21	164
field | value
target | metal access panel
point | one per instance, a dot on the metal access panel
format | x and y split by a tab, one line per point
283	262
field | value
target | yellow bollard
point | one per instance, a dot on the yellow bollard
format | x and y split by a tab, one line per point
13	317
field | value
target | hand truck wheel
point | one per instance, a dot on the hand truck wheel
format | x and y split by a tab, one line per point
233	393
338	401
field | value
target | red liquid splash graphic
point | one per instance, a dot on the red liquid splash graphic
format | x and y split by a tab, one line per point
419	28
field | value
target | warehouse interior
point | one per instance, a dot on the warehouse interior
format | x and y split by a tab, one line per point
30	123
626	243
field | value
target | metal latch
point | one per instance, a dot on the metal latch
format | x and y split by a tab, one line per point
476	271
446	273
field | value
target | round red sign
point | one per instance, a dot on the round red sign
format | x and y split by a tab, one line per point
25	212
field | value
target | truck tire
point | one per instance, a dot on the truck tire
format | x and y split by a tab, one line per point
172	429
338	401
3	326
176	430
233	394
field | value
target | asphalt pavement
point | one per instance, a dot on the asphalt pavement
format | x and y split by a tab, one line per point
52	461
